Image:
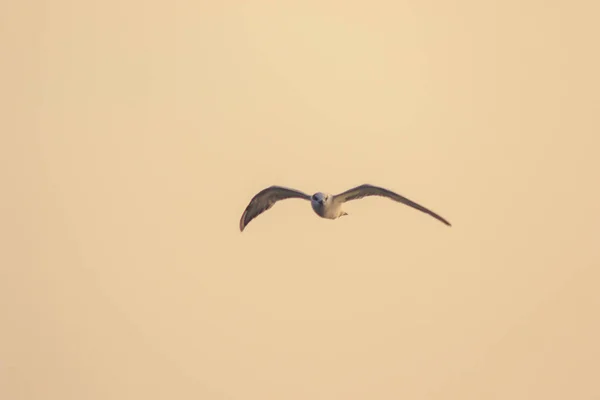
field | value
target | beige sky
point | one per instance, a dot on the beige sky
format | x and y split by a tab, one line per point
134	133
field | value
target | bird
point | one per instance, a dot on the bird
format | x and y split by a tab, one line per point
325	205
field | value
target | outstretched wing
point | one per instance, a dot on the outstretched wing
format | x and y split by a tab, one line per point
369	190
265	199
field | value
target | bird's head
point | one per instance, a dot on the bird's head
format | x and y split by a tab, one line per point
320	198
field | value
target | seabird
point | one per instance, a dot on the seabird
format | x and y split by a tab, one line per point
324	205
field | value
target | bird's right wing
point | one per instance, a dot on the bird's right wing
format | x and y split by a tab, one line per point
265	199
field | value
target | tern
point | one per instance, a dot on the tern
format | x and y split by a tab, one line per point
323	204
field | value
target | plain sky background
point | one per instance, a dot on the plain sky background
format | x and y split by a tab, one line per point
133	134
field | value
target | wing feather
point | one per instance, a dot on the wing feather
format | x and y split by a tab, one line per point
265	199
369	190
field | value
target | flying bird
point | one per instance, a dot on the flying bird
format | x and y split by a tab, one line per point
324	205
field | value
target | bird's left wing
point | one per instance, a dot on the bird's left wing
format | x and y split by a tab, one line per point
265	199
369	190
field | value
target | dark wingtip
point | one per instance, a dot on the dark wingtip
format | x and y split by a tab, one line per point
242	224
443	220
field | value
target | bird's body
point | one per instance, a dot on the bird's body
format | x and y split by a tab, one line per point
325	205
